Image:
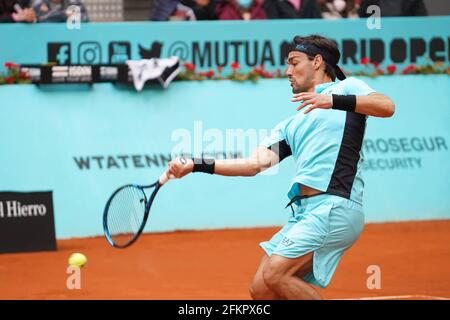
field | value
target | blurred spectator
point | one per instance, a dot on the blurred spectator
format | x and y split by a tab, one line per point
16	11
292	9
58	10
337	9
240	10
183	12
203	9
163	10
394	8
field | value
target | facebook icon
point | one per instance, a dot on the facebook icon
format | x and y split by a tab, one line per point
59	52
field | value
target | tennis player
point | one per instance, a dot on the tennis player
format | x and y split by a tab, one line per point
327	189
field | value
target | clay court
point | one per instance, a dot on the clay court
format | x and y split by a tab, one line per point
414	258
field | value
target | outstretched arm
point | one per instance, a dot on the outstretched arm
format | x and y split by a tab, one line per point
261	159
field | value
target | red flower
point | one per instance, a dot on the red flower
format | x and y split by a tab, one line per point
235	66
9	80
189	66
376	65
391	68
266	74
409	69
207	74
219	68
258	71
10	65
364	61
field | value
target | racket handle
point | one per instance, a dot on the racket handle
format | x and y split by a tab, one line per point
166	176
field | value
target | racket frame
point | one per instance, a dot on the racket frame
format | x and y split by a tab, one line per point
148	205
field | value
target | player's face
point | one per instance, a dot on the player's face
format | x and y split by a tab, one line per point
299	71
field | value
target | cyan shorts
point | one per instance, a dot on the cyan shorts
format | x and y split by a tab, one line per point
324	224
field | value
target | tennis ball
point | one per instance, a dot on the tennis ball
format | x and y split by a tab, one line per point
77	260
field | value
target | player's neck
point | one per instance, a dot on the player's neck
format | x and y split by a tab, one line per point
324	78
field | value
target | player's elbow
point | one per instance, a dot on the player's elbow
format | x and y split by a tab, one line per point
254	170
388	108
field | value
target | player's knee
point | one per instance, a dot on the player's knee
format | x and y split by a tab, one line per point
251	290
258	292
254	292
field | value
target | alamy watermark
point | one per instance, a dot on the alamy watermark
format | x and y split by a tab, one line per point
374	280
73	13
218	143
73	281
374	21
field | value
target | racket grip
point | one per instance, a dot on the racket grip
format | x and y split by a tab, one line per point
165	177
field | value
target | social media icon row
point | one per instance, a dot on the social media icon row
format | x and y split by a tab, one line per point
88	52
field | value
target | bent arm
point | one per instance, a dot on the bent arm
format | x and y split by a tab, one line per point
375	104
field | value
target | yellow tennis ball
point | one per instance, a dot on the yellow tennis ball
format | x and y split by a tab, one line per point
77	260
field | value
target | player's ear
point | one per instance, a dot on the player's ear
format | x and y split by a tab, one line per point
317	62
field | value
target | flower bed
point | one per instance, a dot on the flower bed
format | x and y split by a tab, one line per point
368	68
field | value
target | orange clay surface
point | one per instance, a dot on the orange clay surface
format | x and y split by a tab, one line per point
414	258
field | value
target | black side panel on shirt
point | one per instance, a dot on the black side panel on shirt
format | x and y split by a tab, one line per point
282	149
346	164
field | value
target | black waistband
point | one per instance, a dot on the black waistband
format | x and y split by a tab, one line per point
298	197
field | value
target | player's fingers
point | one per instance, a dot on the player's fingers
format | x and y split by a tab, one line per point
300	96
303	95
171	176
173	169
314	106
305	103
297	97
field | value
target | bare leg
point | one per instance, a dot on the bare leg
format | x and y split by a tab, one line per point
258	289
281	275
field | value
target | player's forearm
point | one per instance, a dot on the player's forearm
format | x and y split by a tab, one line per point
260	159
376	105
245	167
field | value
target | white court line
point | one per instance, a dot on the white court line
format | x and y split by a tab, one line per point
414	296
435	298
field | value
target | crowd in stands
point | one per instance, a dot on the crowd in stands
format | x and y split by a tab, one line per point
31	11
280	9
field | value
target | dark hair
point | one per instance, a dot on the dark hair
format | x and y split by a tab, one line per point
325	44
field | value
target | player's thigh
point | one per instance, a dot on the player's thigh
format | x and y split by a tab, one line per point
278	267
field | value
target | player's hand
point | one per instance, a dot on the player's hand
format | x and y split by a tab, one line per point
313	100
179	167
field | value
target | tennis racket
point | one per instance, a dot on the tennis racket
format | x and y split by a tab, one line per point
127	210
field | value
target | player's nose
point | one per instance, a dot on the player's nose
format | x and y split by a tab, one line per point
288	73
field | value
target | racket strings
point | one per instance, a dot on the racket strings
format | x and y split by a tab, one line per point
126	214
